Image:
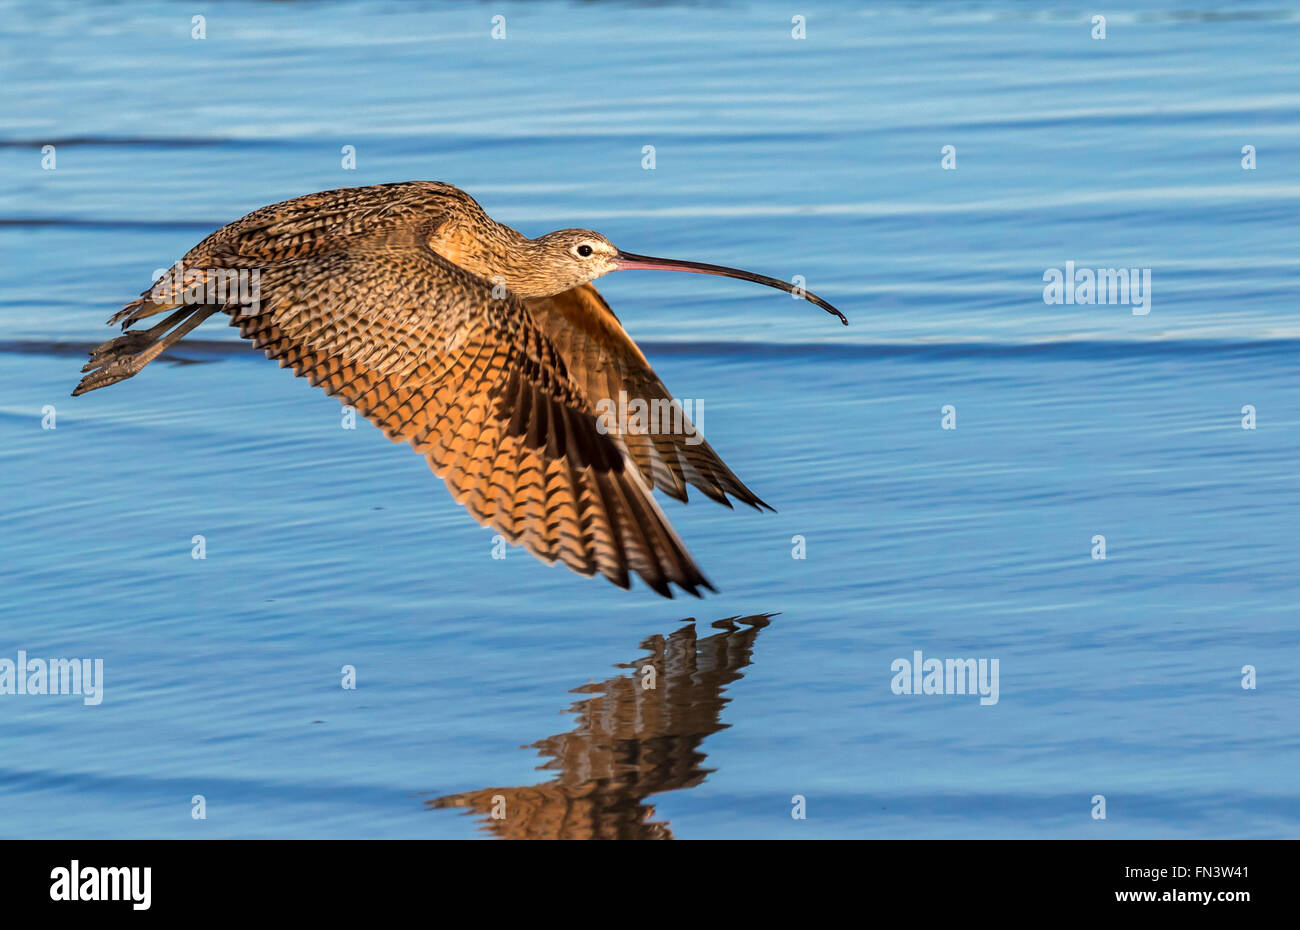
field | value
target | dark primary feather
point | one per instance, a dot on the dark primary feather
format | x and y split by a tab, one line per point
606	362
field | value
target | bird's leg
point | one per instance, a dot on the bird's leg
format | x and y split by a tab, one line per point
118	364
136	340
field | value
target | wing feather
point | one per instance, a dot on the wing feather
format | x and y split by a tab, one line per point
420	347
607	363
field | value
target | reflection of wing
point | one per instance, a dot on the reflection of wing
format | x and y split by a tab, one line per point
555	812
605	361
631	741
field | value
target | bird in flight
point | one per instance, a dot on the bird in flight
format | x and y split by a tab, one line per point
487	351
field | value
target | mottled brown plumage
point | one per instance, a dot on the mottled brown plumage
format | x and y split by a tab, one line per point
485	350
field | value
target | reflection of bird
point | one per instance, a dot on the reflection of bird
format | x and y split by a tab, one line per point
488	351
632	740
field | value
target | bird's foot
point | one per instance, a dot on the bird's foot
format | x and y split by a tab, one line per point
127	344
110	371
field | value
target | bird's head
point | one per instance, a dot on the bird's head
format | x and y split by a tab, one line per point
569	257
575	256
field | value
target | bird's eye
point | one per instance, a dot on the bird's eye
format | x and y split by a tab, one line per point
583	250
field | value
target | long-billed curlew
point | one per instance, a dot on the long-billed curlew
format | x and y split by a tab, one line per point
488	351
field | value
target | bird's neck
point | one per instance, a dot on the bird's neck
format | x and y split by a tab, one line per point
501	256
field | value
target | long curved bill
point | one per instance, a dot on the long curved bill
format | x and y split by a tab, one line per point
628	261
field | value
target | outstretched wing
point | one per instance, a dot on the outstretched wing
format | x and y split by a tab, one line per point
422	348
605	361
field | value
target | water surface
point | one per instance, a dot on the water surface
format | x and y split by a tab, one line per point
820	157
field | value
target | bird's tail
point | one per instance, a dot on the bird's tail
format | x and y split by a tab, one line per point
123	357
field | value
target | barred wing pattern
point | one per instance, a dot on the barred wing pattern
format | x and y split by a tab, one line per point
420	347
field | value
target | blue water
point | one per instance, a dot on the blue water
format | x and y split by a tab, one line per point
821	157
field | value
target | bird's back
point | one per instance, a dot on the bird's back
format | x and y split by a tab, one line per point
324	221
